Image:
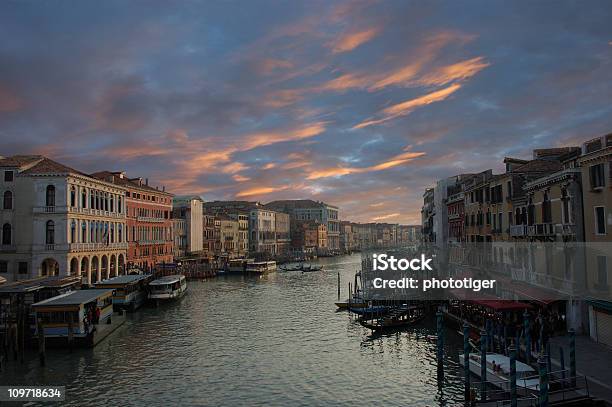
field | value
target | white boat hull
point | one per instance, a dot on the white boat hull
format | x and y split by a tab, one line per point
524	387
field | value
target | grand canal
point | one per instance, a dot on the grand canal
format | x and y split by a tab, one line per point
274	340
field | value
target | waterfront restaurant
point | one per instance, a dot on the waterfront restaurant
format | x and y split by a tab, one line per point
83	313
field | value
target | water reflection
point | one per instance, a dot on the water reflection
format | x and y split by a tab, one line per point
273	340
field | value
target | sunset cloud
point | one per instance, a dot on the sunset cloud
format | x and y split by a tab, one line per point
263	103
399	159
408	106
259	191
350	41
386	217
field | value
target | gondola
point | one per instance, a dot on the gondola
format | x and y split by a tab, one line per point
394	319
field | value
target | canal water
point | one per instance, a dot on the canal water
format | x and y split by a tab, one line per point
273	340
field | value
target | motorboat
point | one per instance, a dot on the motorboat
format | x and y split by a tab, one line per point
527	379
168	287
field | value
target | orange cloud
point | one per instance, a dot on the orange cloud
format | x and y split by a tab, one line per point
234	168
240	178
269	166
260	191
408	106
399	159
459	71
385	217
350	41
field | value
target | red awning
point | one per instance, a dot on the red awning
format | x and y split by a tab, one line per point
502	305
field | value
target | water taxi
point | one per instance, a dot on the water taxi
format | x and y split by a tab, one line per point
237	265
82	316
130	291
168	287
261	267
527	380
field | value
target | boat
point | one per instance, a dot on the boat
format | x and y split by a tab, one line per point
81	316
261	267
354	302
168	287
237	265
295	267
310	267
527	380
130	290
369	310
394	319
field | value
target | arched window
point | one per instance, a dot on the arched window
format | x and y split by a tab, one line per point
92	232
83	198
50	198
50	232
119	205
92	199
83	231
112	203
6	234
73	232
120	234
72	197
112	233
8	200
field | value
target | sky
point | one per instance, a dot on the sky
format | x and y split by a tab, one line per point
360	104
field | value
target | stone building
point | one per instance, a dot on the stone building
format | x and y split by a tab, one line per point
59	221
190	209
148	220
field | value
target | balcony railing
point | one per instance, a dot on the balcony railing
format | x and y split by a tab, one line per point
541	229
518	230
95	212
50	209
565	229
150	219
86	247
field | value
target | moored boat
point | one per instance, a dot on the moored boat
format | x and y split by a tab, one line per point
393	319
82	317
261	267
130	290
168	287
527	380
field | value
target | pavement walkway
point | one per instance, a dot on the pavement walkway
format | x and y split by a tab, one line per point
593	360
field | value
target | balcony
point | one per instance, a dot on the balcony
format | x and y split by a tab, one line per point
565	229
90	247
50	209
518	230
150	219
8	248
541	229
95	212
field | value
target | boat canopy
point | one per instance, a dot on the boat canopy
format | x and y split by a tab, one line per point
167	280
502	305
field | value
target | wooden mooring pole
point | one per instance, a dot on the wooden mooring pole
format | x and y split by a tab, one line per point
483	365
513	397
338	286
41	344
572	344
466	364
